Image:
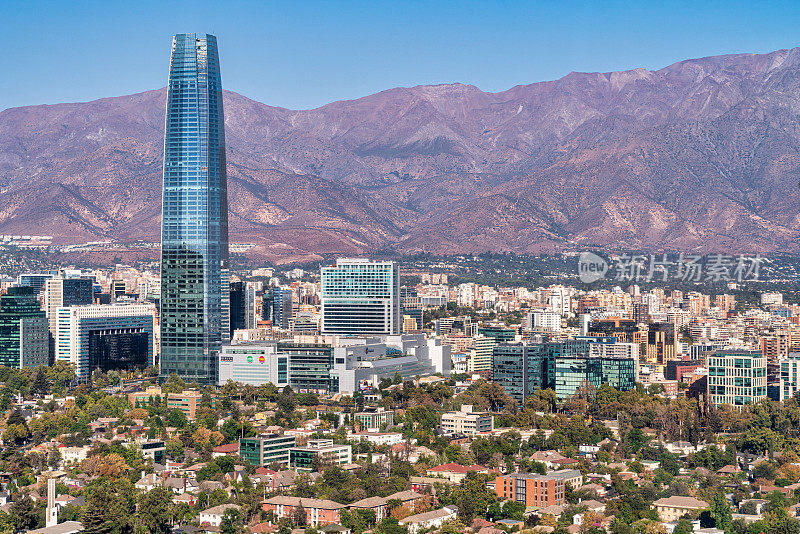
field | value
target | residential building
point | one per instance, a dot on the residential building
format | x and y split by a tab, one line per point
480	357
430	520
213	516
319	453
455	473
23	329
673	508
318	511
467	421
187	402
573	477
361	297
378	438
543	321
374	418
534	491
106	337
378	505
195	312
737	377
266	449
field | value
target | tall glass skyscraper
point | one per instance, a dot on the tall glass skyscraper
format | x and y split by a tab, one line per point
194	229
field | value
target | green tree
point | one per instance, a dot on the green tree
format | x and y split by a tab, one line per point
110	506
232	521
154	510
720	511
177	418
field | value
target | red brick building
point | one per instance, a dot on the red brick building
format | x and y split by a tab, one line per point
534	491
318	511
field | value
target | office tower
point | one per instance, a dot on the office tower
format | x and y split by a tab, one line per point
34	280
194	233
60	292
361	297
238	307
106	337
23	329
737	377
117	289
277	307
519	369
591	361
310	366
480	357
251	311
661	343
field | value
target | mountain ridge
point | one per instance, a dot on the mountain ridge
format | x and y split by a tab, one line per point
701	155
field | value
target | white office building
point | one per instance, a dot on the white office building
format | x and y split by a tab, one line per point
254	364
361	297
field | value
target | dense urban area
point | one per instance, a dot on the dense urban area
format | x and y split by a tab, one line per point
443	405
189	386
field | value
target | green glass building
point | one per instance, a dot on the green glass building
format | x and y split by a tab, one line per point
310	366
266	449
195	298
24	339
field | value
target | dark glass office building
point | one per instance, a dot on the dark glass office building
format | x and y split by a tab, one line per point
520	368
23	329
194	233
238	305
277	307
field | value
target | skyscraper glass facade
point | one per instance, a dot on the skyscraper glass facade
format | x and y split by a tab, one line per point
194	234
23	329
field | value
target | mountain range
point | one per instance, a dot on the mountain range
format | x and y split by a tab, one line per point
703	155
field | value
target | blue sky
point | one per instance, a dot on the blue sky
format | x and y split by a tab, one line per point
302	54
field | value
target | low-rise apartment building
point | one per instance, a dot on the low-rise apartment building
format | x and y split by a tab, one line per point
467	421
266	449
534	491
320	451
318	511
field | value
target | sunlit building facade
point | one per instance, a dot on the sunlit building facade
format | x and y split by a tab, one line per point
194	238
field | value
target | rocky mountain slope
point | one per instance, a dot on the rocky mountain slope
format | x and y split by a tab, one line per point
701	155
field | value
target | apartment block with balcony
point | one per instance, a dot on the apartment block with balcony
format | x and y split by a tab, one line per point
467	421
